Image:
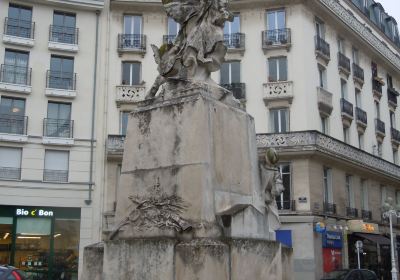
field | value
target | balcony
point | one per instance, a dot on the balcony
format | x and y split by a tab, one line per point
63	38
130	94
392	97
15	79
238	90
322	49
10	173
376	89
58	132
60	84
169	39
324	101
344	64
347	112
276	39
361	119
278	92
56	176
135	43
395	134
289	205
19	32
380	129
13	128
329	208
351	212
358	74
115	146
366	215
235	42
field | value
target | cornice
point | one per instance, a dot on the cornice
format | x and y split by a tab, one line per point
343	14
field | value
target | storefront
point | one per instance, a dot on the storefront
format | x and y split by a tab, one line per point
42	241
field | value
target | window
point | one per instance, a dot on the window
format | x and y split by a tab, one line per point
325	125
277	69
58	122
320	28
230	73
276	19
15	69
328	194
322	76
364	195
389	81
173	27
392	119
358	98
383	194
395	156
343	88
123	122
355	54
377	110
12	115
10	163
133	24
19	22
380	152
279	120
346	135
350	192
234	26
341	46
56	166
131	73
64	28
61	74
361	141
284	200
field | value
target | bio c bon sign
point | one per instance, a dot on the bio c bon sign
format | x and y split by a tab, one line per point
21	212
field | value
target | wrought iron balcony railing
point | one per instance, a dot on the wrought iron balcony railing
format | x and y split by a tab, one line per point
63	34
17	75
376	86
351	212
234	40
358	72
276	37
380	126
344	62
13	124
10	173
169	39
392	95
346	107
395	134
286	205
366	215
61	80
19	28
238	90
361	116
322	46
55	175
132	42
329	208
62	128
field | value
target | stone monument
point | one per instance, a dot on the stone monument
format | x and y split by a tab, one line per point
195	202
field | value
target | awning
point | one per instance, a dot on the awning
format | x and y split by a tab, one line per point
376	238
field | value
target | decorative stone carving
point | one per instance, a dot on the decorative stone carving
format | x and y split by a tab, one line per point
278	91
130	94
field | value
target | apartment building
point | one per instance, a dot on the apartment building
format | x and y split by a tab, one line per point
321	79
48	200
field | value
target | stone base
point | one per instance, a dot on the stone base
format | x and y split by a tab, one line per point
197	259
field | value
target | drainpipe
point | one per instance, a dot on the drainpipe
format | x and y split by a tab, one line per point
92	138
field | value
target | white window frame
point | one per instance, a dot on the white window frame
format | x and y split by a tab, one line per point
277	60
356	55
275	14
320	28
272	122
130	82
343	89
325	125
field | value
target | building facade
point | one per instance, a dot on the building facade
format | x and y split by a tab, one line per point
49	205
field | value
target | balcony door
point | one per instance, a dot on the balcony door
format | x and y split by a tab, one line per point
10	163
19	22
131	73
277	69
12	115
61	74
230	73
15	70
56	166
276	19
58	123
133	31
284	200
231	30
64	28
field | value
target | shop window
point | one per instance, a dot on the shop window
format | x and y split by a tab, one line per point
279	120
10	163
56	166
6	225
284	200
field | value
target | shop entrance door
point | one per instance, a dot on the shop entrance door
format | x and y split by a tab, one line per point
6	225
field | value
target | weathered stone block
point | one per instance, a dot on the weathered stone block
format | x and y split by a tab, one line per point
93	256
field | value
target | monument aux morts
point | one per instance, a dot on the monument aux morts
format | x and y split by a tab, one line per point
195	202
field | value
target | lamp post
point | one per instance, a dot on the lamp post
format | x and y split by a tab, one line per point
391	210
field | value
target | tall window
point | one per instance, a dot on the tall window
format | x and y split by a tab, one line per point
58	122
231	32
341	46
123	122
61	74
383	194
355	55
284	200
279	119
361	141
380	149
15	69
343	88
133	25
395	156
276	19
19	22
320	28
10	163
230	73
364	195
322	76
358	98
12	115
392	119
350	192
377	110
389	81
64	28
277	69
346	134
131	73
173	27
56	166
325	125
328	193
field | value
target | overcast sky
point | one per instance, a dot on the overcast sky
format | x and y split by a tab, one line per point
392	7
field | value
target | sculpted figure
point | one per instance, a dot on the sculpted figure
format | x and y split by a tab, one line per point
199	46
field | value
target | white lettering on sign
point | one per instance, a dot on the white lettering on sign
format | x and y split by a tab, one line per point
34	213
45	213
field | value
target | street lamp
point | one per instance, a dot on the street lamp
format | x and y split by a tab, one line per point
391	210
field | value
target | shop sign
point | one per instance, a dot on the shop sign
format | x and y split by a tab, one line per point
360	226
320	227
33	212
332	239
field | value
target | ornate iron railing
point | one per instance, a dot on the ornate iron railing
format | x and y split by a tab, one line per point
238	90
329	208
17	75
13	124
62	128
380	126
132	42
358	72
19	28
361	116
351	212
392	95
276	37
395	134
346	107
376	86
234	40
61	80
63	34
286	205
55	175
169	39
322	46
10	173
344	62
366	215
